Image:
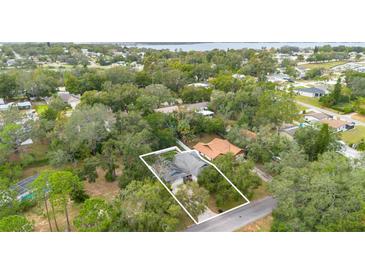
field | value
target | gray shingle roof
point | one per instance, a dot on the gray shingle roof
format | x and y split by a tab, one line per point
183	165
313	90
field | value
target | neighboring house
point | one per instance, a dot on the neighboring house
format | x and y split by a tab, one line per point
205	112
11	62
288	130
278	78
238	76
187	107
311	92
217	147
24	105
23	187
337	124
71	99
2	102
169	109
302	71
184	167
316	116
199	85
196	106
6	106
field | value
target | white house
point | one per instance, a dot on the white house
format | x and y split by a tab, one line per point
205	112
2	102
199	85
278	78
24	105
315	116
311	92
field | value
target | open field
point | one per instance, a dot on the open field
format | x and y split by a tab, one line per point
101	188
314	102
261	225
354	136
308	100
327	65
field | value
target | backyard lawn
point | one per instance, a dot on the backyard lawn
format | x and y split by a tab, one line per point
354	136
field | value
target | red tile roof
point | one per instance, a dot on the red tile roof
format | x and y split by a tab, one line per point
217	147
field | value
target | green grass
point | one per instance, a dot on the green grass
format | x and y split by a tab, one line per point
353	136
327	65
314	101
308	100
40	109
301	108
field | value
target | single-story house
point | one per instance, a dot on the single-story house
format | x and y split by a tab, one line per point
199	85
316	116
184	167
169	109
337	124
205	112
238	76
71	99
187	107
288	130
278	78
217	147
311	92
24	105
196	106
5	106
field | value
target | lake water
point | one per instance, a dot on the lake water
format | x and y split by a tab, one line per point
251	45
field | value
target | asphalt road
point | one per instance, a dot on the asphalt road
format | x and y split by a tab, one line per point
237	218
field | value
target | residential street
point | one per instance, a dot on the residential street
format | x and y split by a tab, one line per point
343	117
238	218
346	150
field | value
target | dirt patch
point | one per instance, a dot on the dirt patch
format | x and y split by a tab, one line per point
212	204
261	225
38	216
358	117
102	188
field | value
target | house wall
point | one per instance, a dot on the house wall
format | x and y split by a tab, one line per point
308	94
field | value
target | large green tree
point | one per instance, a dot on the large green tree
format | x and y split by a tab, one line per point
325	195
147	206
193	197
314	140
15	223
95	215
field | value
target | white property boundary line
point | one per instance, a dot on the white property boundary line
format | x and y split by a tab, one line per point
172	194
